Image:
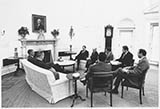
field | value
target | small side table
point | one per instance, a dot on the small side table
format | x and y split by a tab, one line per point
76	96
71	53
12	60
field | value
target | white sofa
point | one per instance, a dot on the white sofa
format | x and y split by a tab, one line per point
43	82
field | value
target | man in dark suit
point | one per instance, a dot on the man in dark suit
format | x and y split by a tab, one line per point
39	62
100	66
131	73
109	55
31	56
83	55
93	58
126	58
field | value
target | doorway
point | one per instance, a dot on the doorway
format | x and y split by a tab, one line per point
126	28
154	43
125	38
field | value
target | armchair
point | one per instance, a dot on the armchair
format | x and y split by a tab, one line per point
104	85
140	87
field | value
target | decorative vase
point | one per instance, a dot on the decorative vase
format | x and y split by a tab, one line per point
15	53
70	46
55	36
23	36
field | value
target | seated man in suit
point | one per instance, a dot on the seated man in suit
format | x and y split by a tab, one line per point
31	56
39	62
126	57
93	58
109	55
131	73
100	66
32	59
83	55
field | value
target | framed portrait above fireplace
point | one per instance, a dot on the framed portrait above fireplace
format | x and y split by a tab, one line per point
38	23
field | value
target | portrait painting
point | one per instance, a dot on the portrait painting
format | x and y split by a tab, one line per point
38	23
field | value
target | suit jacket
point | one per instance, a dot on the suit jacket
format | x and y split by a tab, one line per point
109	57
140	67
82	55
94	57
98	67
31	59
137	71
38	63
126	60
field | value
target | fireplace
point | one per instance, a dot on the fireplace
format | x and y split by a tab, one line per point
48	46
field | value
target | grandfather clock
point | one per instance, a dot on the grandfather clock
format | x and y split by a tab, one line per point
108	36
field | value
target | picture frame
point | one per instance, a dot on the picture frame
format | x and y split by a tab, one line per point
38	23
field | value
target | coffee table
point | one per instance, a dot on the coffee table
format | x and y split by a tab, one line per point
71	77
66	63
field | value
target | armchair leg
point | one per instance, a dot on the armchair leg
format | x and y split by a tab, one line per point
140	95
122	92
87	91
143	91
126	88
91	99
111	99
105	94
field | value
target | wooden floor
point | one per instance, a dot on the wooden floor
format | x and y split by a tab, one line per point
17	93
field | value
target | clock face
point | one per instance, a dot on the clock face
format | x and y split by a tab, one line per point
108	32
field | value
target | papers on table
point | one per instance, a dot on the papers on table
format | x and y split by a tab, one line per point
115	63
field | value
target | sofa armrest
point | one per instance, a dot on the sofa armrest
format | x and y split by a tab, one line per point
62	79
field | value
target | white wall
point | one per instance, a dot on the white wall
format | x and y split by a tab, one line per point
88	18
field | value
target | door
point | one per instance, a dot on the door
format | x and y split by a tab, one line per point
155	40
125	38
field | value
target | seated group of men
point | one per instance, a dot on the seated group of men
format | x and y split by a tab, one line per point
83	55
126	58
100	63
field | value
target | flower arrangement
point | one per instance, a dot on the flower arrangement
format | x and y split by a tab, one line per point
55	33
23	31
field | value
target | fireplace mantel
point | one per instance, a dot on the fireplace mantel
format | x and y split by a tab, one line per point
32	42
37	42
